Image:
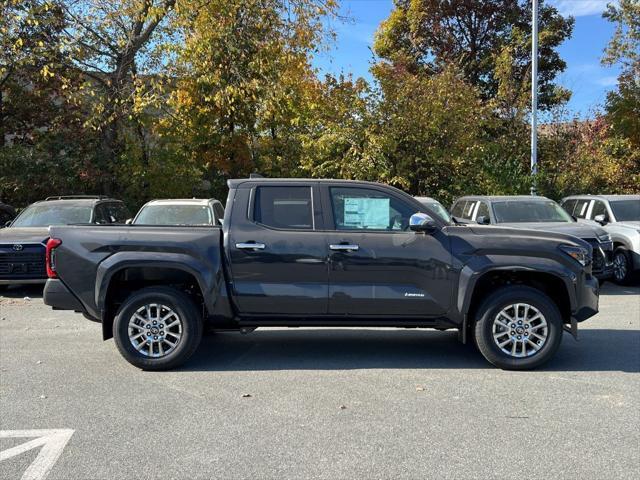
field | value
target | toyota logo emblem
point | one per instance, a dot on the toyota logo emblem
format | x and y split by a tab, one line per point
17	247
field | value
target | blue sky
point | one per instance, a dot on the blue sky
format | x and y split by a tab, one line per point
585	77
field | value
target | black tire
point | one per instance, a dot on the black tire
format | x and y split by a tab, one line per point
503	298
182	305
622	255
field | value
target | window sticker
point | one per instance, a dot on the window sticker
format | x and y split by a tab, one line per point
366	213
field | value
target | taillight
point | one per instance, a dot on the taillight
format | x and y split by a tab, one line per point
50	257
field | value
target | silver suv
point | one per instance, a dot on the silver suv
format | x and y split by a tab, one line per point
619	215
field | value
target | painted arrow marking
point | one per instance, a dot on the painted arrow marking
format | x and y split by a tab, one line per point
51	441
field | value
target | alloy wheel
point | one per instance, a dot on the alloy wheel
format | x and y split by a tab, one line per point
155	330
520	330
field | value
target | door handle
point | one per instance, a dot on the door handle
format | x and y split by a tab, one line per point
347	247
250	246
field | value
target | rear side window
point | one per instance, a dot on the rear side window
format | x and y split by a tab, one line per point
219	211
284	207
581	208
117	212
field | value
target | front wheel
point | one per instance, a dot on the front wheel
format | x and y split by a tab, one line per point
157	328
622	267
518	328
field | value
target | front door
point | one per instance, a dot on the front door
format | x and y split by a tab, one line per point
278	255
378	267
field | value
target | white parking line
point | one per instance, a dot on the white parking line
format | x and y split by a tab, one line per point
52	443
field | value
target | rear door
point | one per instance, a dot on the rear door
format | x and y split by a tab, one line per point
378	267
277	250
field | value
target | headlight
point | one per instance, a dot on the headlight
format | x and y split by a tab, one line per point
581	255
606	238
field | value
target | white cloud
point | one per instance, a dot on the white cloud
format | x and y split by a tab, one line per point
608	81
579	8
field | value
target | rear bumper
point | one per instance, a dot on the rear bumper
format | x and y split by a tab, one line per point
58	296
587	296
22	281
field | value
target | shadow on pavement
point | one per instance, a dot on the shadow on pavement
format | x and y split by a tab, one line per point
21	291
335	349
612	289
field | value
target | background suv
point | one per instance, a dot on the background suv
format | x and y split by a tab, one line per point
189	211
537	213
619	215
22	244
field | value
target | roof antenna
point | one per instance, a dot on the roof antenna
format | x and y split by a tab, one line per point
255	175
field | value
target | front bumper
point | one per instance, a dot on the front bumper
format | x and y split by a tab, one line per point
587	298
59	297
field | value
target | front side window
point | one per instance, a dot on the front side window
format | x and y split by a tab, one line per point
368	209
599	208
117	212
523	211
284	207
43	215
483	210
163	214
468	210
626	210
569	205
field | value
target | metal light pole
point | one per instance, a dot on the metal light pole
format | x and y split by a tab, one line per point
534	97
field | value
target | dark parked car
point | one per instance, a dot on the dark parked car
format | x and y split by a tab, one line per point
22	244
323	253
189	211
537	213
7	213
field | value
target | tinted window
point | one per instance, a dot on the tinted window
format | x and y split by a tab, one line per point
569	205
368	209
284	207
43	215
116	212
167	214
483	210
580	211
458	208
518	211
100	215
626	210
219	211
468	210
599	208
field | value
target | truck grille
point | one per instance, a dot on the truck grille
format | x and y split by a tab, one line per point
28	263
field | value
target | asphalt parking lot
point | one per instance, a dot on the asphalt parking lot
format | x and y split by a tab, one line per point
311	403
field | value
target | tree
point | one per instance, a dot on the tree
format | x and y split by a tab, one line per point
113	46
430	35
623	105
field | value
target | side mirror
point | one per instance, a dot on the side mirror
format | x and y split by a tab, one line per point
421	222
601	219
128	221
483	220
7	223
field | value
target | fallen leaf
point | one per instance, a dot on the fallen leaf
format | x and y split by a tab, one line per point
246	395
343	407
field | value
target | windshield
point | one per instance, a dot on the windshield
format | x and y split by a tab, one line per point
521	211
626	210
439	210
43	215
174	215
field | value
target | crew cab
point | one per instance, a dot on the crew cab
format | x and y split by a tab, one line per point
295	253
540	213
22	243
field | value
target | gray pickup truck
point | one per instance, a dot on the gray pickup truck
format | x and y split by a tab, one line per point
325	253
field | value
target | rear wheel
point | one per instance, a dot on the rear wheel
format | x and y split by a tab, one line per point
157	328
622	267
518	328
